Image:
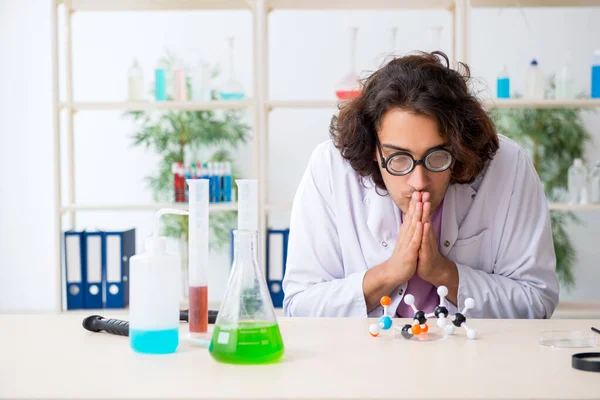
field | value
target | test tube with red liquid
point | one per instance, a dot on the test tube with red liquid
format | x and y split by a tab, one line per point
178	182
198	256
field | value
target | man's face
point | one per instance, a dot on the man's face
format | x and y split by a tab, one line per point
404	131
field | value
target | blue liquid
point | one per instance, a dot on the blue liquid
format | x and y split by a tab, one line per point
154	342
596	81
214	189
231	96
503	88
160	85
227	188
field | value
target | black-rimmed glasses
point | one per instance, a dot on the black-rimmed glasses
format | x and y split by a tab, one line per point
400	163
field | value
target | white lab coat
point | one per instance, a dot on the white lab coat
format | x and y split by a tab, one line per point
497	231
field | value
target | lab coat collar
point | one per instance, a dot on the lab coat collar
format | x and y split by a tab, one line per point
380	207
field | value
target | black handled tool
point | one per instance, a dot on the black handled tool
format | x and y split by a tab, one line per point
97	323
212	316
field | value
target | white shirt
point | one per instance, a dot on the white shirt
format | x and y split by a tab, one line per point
496	229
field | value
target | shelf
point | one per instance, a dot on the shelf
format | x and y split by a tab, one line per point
490	103
297	104
162	105
534	3
359	4
160	5
143	207
524	103
174	5
301	104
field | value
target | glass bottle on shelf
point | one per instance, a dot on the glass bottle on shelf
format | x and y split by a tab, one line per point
596	75
160	82
578	182
503	84
232	89
135	82
201	80
535	82
349	86
564	81
180	83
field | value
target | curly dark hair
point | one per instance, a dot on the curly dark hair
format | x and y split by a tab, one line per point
420	83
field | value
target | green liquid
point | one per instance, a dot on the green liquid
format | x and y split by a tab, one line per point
247	343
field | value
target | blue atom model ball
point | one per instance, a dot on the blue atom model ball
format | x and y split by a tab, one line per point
385	322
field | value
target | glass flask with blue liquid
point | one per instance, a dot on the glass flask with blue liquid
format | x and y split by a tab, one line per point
232	89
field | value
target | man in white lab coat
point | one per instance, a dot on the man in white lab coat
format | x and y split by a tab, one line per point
416	190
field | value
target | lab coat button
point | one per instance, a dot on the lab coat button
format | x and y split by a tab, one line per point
367	201
384	244
473	196
447	243
400	292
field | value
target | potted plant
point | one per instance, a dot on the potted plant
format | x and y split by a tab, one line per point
212	136
553	138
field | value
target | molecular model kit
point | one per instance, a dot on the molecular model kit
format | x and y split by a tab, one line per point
419	325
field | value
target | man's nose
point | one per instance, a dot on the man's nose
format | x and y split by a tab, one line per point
419	178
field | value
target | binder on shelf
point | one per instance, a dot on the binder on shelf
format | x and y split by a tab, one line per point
276	249
74	269
93	269
120	247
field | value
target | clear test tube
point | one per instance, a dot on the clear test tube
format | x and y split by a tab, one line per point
198	255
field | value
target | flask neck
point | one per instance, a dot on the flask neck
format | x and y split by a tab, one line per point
245	245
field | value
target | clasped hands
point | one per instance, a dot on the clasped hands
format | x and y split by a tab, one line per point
416	250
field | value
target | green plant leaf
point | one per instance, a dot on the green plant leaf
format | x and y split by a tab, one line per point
553	138
217	134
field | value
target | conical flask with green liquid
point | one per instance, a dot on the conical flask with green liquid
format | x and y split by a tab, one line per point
246	330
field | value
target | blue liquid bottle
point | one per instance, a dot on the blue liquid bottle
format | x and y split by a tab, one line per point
596	75
221	181
503	84
160	84
214	182
155	282
227	182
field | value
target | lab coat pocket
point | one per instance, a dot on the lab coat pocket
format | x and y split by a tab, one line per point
474	251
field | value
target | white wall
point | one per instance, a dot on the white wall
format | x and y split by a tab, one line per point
27	266
308	54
